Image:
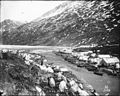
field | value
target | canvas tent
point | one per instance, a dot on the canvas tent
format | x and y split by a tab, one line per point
85	58
95	60
109	61
104	56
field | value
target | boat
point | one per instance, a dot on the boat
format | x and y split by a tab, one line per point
91	68
80	65
98	73
108	71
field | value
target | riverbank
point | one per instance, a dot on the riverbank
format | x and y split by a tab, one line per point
98	82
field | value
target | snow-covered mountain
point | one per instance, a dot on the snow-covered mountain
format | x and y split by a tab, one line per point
71	24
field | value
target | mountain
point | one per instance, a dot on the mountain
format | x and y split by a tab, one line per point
71	24
6	28
8	25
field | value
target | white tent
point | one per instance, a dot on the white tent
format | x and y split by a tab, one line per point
83	58
110	61
104	56
97	60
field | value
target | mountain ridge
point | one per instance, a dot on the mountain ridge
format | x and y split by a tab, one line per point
79	22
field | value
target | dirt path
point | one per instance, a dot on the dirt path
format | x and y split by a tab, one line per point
98	82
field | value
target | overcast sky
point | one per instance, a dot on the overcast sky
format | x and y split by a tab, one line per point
25	11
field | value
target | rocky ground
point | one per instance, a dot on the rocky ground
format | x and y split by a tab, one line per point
22	73
98	82
103	85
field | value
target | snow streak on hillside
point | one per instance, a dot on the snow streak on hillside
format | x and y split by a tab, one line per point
71	24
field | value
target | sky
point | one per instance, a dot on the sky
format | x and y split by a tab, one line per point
25	11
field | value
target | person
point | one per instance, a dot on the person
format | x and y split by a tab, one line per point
1	54
5	54
43	60
1	92
117	67
114	69
106	90
94	92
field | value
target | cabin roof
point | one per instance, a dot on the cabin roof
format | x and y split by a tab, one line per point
111	60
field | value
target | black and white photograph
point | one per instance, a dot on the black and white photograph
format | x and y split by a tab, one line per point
59	48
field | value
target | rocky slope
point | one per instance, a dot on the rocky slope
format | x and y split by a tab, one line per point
8	25
71	24
6	29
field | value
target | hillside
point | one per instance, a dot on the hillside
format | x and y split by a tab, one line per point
71	24
6	29
8	25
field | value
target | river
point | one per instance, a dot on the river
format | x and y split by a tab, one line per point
103	84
